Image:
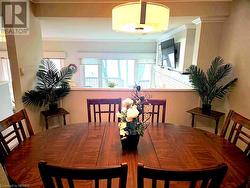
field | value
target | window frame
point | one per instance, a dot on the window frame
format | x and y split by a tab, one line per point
99	63
98	75
55	55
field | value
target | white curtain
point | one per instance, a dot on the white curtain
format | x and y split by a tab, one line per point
5	74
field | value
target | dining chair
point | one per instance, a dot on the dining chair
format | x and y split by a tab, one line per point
54	175
15	129
4	181
154	108
207	178
3	154
236	129
103	106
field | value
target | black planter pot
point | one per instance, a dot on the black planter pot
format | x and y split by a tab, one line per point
130	143
53	107
206	108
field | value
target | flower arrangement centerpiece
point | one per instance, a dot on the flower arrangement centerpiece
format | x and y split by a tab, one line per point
131	126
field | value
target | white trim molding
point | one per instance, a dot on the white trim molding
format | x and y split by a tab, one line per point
209	19
130	89
174	31
117	56
55	55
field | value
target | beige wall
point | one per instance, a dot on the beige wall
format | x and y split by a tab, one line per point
209	41
189	50
178	102
235	49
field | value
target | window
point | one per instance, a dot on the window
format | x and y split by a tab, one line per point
116	72
144	74
5	74
56	57
121	73
58	62
91	75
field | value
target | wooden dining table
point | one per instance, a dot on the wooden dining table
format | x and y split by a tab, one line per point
164	146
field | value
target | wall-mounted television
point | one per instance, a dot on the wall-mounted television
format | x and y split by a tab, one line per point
170	54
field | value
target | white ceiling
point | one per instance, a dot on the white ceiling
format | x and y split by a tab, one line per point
97	29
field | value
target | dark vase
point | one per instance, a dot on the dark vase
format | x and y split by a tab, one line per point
130	143
206	108
53	107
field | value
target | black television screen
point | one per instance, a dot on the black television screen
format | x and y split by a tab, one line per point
168	54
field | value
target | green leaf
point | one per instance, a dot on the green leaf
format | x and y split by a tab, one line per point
215	83
198	80
35	98
52	84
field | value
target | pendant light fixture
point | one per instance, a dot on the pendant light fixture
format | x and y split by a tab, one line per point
140	17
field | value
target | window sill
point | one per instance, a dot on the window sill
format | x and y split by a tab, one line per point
128	89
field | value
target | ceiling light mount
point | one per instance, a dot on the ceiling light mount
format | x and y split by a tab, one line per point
140	17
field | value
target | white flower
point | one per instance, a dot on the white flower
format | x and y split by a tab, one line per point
119	115
132	113
124	110
122	125
127	103
123	132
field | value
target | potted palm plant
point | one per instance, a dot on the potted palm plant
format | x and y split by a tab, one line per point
52	84
215	83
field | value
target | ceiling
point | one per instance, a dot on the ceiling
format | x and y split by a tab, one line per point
97	29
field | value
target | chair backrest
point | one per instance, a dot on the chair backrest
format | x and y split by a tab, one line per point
206	178
3	154
236	128
13	130
98	105
155	108
54	175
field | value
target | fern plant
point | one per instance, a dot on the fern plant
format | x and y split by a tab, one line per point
215	83
52	84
